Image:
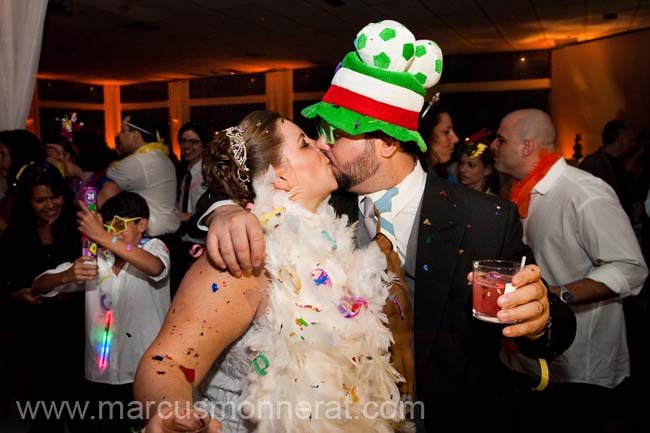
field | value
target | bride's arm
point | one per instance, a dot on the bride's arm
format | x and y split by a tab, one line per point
210	310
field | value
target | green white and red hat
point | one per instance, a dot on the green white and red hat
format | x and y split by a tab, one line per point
382	85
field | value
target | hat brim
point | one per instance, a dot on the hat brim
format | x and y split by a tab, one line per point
354	123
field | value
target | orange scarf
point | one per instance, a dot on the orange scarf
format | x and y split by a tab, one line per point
521	189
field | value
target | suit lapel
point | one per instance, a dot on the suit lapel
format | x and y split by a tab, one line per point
345	203
440	236
439	240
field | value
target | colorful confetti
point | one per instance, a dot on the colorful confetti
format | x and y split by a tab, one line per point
309	307
351	392
351	307
320	277
429	239
157	358
399	305
294	277
215	287
443	193
196	250
261	368
327	236
301	323
274	214
425	267
189	373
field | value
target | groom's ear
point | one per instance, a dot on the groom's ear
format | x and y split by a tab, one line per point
387	146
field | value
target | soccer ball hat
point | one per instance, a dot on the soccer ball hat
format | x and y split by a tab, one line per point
381	86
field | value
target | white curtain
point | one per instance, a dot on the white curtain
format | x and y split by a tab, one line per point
21	33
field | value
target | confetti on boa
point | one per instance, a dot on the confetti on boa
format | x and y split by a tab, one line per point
323	343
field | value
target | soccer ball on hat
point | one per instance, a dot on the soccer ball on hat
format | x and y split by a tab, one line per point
427	63
386	45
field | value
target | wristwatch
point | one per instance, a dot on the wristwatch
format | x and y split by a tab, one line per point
565	295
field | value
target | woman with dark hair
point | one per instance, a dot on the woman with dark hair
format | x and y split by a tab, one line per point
437	130
42	233
18	147
309	328
24	147
476	163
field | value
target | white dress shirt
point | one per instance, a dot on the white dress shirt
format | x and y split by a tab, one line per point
404	206
153	176
577	229
196	187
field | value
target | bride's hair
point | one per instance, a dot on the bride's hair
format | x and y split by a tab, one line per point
227	169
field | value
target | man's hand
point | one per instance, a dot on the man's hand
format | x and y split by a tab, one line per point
235	240
528	305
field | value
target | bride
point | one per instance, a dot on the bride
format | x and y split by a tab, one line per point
300	345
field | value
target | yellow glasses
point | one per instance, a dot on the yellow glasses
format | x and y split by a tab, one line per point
119	224
326	130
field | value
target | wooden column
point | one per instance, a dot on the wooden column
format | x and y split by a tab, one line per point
179	110
112	114
279	92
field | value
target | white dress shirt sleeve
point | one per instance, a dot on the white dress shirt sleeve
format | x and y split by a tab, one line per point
129	174
606	234
160	250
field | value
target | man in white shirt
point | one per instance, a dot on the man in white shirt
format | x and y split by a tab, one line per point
585	246
146	170
192	137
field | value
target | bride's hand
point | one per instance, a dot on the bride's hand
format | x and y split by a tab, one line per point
189	422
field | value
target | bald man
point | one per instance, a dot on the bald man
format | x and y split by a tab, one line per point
584	244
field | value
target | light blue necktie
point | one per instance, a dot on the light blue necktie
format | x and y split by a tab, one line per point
383	206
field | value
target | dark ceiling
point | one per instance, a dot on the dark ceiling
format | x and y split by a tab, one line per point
127	41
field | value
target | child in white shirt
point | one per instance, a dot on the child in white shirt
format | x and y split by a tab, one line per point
127	296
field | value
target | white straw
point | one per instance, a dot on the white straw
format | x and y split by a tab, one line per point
523	262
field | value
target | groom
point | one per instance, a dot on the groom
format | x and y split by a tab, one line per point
367	124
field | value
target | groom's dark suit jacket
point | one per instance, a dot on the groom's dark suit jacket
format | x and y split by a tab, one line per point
456	355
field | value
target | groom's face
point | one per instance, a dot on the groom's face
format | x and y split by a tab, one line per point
353	159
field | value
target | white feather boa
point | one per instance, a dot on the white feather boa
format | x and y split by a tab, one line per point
326	372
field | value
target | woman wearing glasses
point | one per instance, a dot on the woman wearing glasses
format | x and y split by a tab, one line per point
42	234
125	305
193	137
